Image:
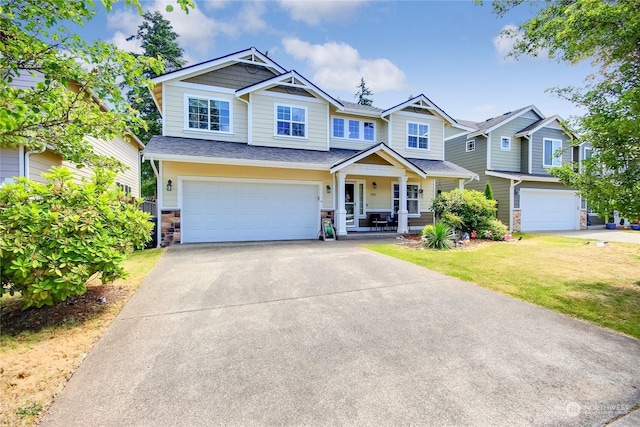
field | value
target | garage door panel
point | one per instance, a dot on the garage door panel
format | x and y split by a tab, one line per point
548	210
215	211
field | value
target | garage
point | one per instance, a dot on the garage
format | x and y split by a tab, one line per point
548	210
226	211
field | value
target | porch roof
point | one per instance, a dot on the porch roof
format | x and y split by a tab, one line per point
194	150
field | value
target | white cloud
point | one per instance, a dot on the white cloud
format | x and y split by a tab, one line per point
339	66
313	12
120	40
507	38
250	16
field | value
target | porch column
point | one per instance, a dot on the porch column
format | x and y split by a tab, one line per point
403	213
461	183
341	212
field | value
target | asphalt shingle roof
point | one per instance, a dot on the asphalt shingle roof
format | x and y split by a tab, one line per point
191	147
356	106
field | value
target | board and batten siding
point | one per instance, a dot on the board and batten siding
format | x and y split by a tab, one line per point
9	164
508	160
357	144
264	119
398	141
175	110
234	76
538	148
172	170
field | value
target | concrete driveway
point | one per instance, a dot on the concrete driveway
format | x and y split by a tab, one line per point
329	333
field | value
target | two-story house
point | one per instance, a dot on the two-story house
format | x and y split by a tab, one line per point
20	162
514	152
251	151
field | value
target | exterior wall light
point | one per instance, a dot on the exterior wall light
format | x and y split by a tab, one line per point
375	185
169	185
328	189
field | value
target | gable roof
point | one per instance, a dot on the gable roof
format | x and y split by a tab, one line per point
374	149
495	122
247	56
292	79
423	102
536	126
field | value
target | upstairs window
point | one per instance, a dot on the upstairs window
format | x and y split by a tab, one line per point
208	114
505	143
291	121
588	152
551	157
471	145
353	129
418	135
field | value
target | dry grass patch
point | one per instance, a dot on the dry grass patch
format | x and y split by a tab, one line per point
598	283
41	348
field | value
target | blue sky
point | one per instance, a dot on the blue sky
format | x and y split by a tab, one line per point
449	50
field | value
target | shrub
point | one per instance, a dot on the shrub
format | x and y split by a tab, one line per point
488	191
471	206
497	230
452	220
56	236
437	236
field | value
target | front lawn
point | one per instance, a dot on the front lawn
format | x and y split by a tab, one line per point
41	348
598	283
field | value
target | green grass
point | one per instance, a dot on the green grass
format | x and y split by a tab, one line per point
597	284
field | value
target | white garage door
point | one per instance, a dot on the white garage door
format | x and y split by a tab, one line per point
216	211
546	210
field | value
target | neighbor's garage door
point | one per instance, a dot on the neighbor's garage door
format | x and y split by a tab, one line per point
546	210
214	211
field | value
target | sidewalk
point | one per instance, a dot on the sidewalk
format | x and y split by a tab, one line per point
598	232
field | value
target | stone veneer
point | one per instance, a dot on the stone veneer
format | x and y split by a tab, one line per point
170	227
583	220
516	220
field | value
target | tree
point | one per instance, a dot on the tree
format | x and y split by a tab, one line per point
76	90
56	236
488	191
608	34
364	93
158	41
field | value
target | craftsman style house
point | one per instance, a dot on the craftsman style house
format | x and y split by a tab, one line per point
251	151
513	152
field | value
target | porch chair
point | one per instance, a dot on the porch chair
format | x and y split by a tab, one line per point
375	221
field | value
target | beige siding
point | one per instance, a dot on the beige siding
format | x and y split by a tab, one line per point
234	76
42	162
9	164
172	170
124	150
263	122
399	135
355	144
508	160
175	111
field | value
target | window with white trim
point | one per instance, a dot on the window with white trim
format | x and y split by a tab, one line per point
291	121
505	143
551	157
413	203
353	129
471	145
208	114
418	135
588	152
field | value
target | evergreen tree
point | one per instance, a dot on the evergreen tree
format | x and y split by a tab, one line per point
158	41
364	93
488	191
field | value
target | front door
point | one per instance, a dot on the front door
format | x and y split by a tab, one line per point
354	202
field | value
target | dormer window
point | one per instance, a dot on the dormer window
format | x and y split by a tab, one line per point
353	129
418	135
208	114
291	121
